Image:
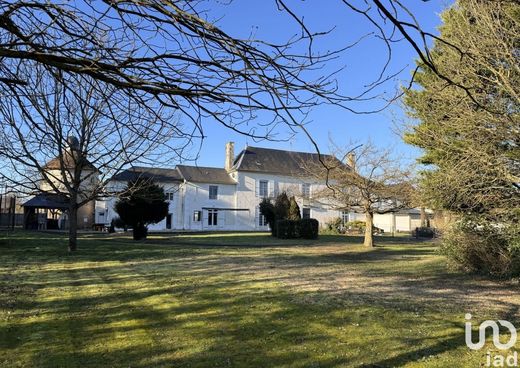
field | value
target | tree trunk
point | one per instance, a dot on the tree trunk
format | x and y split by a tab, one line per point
423	217
369	229
73	227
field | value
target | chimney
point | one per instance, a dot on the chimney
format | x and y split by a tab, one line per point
73	143
230	155
351	160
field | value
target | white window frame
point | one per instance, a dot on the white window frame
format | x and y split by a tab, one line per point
262	220
345	217
261	192
212	217
306	208
169	196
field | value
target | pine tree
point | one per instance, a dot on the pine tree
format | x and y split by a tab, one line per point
281	206
294	210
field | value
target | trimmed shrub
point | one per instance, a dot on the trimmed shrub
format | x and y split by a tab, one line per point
309	228
287	229
423	232
294	210
292	229
267	210
281	206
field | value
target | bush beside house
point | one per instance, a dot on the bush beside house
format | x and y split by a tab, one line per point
285	220
292	229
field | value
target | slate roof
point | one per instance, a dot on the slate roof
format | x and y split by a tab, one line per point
200	174
157	174
253	159
267	160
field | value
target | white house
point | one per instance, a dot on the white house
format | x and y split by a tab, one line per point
228	198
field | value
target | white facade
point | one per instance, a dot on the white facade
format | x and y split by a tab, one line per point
236	207
231	203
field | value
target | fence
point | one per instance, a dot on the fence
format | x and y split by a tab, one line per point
8	216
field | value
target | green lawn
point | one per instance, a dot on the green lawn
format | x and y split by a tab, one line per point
238	300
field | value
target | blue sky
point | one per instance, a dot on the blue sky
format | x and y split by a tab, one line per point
361	63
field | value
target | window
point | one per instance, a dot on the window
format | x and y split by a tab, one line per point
263	186
306	190
262	221
213	191
212	217
306	213
169	196
344	217
196	216
169	221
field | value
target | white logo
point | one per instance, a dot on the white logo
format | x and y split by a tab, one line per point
496	334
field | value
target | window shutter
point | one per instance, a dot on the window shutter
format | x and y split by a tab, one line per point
257	216
270	188
257	184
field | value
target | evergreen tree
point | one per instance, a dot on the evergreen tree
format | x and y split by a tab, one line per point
294	210
145	204
470	136
267	210
281	206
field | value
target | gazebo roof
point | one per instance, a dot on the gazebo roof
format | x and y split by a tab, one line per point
47	200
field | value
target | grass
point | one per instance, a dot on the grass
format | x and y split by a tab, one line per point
238	300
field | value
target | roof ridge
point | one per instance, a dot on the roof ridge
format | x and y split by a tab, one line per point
153	168
201	167
289	151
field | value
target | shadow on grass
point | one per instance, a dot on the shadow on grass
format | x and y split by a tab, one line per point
151	304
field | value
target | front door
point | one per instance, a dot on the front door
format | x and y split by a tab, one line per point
169	221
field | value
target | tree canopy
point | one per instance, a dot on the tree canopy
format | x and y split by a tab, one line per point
142	204
471	142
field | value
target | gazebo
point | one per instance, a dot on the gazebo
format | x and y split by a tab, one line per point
44	210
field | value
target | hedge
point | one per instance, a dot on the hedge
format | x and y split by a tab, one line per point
292	229
309	228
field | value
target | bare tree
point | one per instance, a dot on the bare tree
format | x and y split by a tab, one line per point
368	180
119	76
69	134
171	54
176	54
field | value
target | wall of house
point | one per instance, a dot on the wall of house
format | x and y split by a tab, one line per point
89	180
86	213
248	196
238	205
105	208
196	198
400	222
